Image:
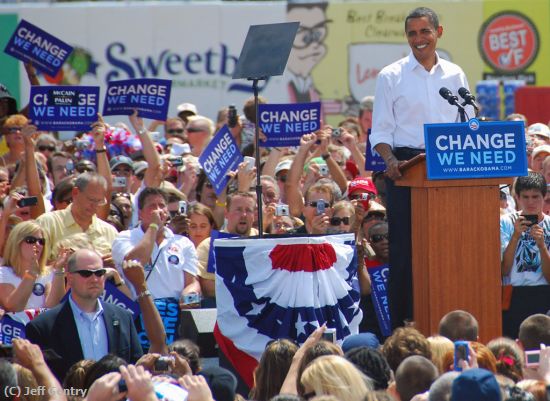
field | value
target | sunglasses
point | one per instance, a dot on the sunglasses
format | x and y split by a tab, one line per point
33	240
42	148
336	221
176	131
12	130
123	194
379	237
314	204
193	129
88	273
208	184
282	178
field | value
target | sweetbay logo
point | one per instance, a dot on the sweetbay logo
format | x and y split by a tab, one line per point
509	43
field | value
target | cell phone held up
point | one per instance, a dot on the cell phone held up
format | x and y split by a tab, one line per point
232	117
462	353
29	201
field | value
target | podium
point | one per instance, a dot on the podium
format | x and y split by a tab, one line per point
455	248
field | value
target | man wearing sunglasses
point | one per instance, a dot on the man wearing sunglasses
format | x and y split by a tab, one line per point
84	327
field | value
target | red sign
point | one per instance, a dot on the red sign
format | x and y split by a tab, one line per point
509	42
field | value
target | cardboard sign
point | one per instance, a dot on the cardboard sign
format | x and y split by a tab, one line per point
284	124
475	150
151	98
64	108
31	44
221	156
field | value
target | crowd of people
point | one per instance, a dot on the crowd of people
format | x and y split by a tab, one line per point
130	204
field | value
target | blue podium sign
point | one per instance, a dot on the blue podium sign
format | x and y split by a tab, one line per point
475	150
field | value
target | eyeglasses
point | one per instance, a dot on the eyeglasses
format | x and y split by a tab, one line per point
336	221
33	240
42	148
362	196
379	237
314	204
208	184
306	36
123	194
193	129
176	131
88	273
13	130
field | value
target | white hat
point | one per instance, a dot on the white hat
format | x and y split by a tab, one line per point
190	107
283	165
140	166
539	129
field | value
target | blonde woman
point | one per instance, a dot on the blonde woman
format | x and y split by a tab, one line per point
25	282
439	346
334	375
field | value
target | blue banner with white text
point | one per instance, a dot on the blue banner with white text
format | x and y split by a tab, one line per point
10	329
221	156
379	294
31	44
64	108
150	97
475	149
284	124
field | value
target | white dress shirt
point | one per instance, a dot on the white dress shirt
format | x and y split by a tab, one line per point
407	97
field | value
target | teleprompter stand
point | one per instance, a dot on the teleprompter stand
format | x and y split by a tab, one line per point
264	54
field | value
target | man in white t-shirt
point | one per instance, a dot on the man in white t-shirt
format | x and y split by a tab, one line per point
170	260
525	244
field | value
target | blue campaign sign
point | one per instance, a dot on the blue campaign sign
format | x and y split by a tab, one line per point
379	294
475	149
113	295
284	124
221	156
31	44
373	161
64	108
10	329
150	97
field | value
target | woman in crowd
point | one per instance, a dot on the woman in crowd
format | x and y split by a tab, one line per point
201	223
343	218
272	369
334	375
25	282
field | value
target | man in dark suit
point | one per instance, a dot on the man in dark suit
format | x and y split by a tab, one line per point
82	327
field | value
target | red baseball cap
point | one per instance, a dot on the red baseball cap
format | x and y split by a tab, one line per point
362	183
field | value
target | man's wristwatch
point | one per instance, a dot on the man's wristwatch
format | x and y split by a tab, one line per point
143	131
143	294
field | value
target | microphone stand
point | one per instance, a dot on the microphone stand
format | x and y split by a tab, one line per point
257	154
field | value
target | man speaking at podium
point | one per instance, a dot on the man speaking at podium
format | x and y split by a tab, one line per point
407	97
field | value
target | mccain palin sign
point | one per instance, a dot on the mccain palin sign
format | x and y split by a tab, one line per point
475	149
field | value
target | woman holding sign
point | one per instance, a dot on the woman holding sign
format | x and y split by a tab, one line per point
25	282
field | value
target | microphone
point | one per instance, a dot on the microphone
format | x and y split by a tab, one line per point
468	97
448	96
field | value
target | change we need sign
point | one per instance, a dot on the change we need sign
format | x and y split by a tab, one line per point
284	124
31	44
150	97
475	150
64	108
221	156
